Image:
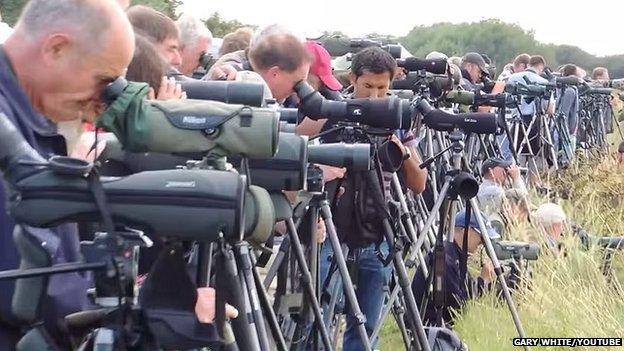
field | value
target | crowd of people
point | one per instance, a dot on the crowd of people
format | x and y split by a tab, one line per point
56	62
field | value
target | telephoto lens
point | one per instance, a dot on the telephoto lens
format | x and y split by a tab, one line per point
386	113
238	93
190	127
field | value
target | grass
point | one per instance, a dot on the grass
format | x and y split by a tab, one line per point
568	294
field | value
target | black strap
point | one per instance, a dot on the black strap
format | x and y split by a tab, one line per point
439	269
99	196
221	281
464	255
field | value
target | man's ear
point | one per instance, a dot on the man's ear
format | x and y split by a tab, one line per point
273	72
352	78
55	47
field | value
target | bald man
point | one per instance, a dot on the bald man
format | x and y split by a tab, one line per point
54	68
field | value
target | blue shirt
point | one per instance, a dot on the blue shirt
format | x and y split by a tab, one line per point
568	105
66	292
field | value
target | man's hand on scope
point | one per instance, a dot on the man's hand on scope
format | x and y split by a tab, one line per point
398	143
330	173
169	90
205	307
224	72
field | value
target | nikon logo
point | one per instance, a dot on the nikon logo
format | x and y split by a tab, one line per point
193	120
190	184
470	120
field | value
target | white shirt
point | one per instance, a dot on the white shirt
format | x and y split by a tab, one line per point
491	194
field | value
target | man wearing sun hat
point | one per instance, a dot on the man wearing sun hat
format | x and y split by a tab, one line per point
458	285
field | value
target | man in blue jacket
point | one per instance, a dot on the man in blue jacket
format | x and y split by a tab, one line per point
54	68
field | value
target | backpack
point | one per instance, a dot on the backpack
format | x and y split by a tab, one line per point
444	339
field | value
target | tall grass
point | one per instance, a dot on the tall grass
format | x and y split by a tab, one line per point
568	295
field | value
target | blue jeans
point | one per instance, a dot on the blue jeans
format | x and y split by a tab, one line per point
373	276
505	146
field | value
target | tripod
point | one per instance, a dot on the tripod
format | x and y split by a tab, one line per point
317	204
463	185
403	280
284	212
415	252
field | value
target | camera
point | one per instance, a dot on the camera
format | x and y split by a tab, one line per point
188	127
183	204
239	93
339	46
476	99
606	242
287	170
417	82
388	113
479	123
434	66
506	250
528	90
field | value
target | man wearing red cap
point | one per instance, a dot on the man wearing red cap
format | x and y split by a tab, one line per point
321	74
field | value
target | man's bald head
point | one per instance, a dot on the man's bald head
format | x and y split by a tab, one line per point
65	52
88	20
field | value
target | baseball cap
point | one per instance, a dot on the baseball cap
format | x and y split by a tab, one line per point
434	55
460	221
493	162
321	66
477	59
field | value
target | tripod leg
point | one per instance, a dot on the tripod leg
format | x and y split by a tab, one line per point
344	272
267	309
497	268
277	262
242	252
336	293
314	271
617	124
399	313
306	280
241	326
404	283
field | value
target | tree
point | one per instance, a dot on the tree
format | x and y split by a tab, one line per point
502	42
168	7
11	8
220	27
